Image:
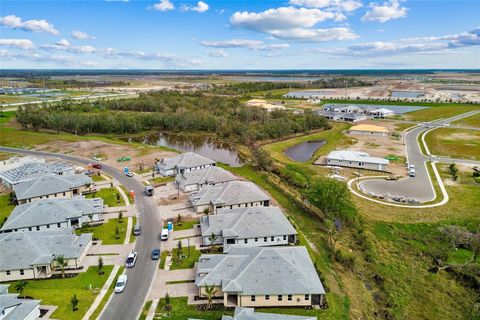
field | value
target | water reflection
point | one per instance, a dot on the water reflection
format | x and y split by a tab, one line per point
302	152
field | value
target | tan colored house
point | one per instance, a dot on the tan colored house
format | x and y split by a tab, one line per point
369	129
261	277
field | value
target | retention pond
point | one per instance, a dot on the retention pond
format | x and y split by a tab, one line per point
302	152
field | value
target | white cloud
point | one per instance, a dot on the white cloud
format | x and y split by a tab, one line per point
217	54
169	60
80	35
47	59
291	23
384	12
17	43
200	7
245	43
164	5
63	43
83	49
335	5
15	22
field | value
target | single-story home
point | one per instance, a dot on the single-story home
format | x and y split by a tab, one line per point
381	113
330	115
53	186
182	163
350	109
352	117
233	194
247	227
197	179
250	314
356	159
369	129
15	162
34	170
52	214
14	308
31	255
261	277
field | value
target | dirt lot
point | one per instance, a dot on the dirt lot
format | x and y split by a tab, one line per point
140	156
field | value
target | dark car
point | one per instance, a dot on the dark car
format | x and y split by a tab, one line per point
155	254
96	165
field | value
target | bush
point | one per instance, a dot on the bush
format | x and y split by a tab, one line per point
346	259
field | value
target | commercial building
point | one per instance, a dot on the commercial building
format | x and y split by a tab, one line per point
185	162
356	159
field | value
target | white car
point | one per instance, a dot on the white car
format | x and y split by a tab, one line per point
121	283
129	174
411	172
164	235
131	260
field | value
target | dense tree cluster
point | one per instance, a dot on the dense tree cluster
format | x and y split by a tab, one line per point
170	111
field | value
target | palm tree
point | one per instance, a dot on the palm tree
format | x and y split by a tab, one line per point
206	211
74	302
20	286
62	263
212	238
100	265
209	294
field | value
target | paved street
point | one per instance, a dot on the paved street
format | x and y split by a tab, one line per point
128	304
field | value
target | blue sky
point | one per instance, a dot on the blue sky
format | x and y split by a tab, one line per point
240	34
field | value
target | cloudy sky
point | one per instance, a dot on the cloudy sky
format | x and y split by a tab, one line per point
240	34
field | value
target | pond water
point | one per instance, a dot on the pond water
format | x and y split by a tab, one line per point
203	145
396	108
406	94
307	94
302	152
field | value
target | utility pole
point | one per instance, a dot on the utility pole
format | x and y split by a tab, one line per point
346	89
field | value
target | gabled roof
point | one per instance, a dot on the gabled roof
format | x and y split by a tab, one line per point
349	155
21	250
21	307
51	211
382	110
250	314
49	184
260	271
230	193
33	170
185	160
249	222
4	288
209	175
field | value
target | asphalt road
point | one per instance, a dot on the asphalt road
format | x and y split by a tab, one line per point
128	304
419	187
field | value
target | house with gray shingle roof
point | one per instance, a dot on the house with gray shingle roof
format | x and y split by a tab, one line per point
261	277
53	214
31	255
233	194
4	288
53	186
247	227
185	162
251	314
356	159
13	308
32	170
197	179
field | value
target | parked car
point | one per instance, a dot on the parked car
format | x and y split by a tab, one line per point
164	235
96	165
121	283
411	172
129	174
149	190
131	260
136	230
155	254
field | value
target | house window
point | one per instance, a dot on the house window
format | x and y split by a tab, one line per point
29	228
265	239
8	272
22	272
272	238
307	297
267	297
64	194
231	207
280	297
256	239
48	226
38	228
289	297
284	238
58	225
245	241
252	298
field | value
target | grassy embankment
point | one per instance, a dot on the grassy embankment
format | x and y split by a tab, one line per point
456	143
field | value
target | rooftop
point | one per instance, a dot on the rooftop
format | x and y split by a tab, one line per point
369	127
33	170
260	271
21	307
185	160
349	155
230	193
209	175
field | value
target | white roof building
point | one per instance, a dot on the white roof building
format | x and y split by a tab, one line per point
356	159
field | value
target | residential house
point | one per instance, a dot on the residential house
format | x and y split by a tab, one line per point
52	214
14	308
330	115
381	113
247	227
15	162
261	277
31	255
182	163
251	314
53	186
233	194
34	170
369	129
197	179
352	117
356	159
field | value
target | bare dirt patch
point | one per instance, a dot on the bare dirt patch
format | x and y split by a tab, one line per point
109	152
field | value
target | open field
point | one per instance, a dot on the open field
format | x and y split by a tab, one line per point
438	112
455	143
472	121
58	292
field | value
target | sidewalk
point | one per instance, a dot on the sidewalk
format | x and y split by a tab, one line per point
102	293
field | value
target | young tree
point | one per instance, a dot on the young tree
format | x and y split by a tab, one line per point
100	265
212	238
74	301
62	263
120	216
209	293
179	219
206	211
117	232
453	171
179	249
20	286
118	197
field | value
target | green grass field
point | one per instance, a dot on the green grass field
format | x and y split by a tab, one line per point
106	231
455	143
58	292
5	208
186	262
185	224
473	121
441	111
109	196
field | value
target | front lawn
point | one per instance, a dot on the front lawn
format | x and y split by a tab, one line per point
160	180
97	178
106	231
59	292
5	208
185	224
111	197
181	311
188	259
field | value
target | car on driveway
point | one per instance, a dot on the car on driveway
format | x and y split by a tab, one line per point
129	174
121	283
155	254
131	260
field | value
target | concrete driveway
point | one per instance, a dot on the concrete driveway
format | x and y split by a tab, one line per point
160	287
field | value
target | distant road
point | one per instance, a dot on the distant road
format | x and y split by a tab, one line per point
128	304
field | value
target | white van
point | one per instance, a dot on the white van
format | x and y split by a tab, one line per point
164	235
